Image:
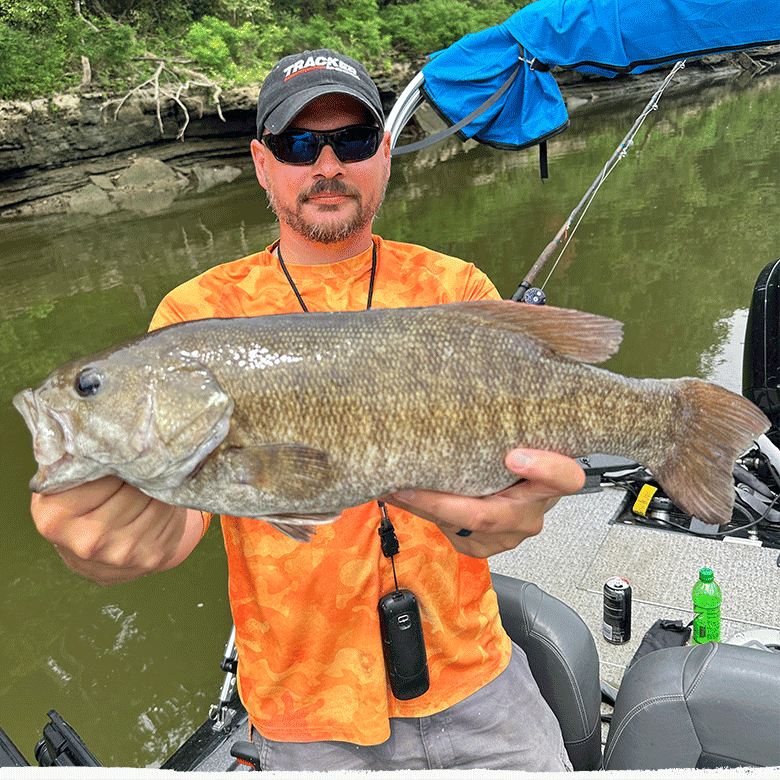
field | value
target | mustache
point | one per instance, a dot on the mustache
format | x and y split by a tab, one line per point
330	187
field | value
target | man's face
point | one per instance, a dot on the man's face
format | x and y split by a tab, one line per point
329	200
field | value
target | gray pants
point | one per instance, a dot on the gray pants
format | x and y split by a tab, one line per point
505	725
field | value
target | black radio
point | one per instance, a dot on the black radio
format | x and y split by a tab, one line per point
403	644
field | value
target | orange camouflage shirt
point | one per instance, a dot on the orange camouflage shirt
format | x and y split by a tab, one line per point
310	656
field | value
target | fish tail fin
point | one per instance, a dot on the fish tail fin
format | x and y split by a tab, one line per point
715	427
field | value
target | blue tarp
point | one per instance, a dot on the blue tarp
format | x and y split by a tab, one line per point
591	36
631	36
462	77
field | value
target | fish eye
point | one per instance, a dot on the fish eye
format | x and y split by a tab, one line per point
87	382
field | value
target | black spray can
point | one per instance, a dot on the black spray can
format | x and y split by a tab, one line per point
617	611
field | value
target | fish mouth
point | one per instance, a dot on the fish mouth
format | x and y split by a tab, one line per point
52	441
45	480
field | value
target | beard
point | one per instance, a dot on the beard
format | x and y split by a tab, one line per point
327	231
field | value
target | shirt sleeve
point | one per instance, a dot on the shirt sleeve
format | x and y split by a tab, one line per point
168	313
193	300
480	288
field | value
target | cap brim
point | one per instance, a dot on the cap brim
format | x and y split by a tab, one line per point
285	112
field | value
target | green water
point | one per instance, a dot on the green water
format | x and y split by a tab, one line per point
671	246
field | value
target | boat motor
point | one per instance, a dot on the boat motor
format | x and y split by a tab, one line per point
761	362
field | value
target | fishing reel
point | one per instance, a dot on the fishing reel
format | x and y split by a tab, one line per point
535	295
527	294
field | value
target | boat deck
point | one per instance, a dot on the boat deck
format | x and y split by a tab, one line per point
582	546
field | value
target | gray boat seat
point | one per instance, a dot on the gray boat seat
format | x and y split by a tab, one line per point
705	706
563	659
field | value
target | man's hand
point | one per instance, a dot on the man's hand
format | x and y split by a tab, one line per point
502	520
108	531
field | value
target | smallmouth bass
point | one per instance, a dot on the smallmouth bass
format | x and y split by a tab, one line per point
292	418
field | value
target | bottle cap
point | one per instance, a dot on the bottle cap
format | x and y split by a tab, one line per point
706	575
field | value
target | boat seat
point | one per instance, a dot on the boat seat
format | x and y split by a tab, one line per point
563	659
705	706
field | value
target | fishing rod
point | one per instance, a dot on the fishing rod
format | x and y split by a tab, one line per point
566	232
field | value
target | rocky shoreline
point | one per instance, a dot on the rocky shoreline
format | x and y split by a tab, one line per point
86	153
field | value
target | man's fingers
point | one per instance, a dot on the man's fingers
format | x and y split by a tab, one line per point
442	508
544	477
77	501
109	531
545	473
489	513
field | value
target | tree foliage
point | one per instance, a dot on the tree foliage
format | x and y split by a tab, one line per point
425	26
49	46
239	51
41	44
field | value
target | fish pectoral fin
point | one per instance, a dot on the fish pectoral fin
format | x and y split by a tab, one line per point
589	338
291	471
299	527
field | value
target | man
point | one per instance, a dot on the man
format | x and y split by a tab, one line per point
311	670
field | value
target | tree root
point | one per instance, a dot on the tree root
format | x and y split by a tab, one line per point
176	84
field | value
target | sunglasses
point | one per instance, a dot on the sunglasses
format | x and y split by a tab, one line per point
302	147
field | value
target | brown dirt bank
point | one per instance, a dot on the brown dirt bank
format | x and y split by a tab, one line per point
72	152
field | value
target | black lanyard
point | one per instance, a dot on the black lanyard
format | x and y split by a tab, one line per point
300	298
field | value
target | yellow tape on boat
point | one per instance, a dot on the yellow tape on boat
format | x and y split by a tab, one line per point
643	499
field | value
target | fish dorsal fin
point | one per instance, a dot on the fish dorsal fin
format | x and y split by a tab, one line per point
590	338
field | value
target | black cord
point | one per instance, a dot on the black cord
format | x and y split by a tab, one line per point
743	527
390	545
389	540
630	488
300	297
290	279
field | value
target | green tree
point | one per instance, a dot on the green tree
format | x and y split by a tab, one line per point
304	10
424	26
242	54
45	43
148	17
42	45
354	29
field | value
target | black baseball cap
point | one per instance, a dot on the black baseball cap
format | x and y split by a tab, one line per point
298	79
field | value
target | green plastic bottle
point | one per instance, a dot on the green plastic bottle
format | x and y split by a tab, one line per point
706	604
